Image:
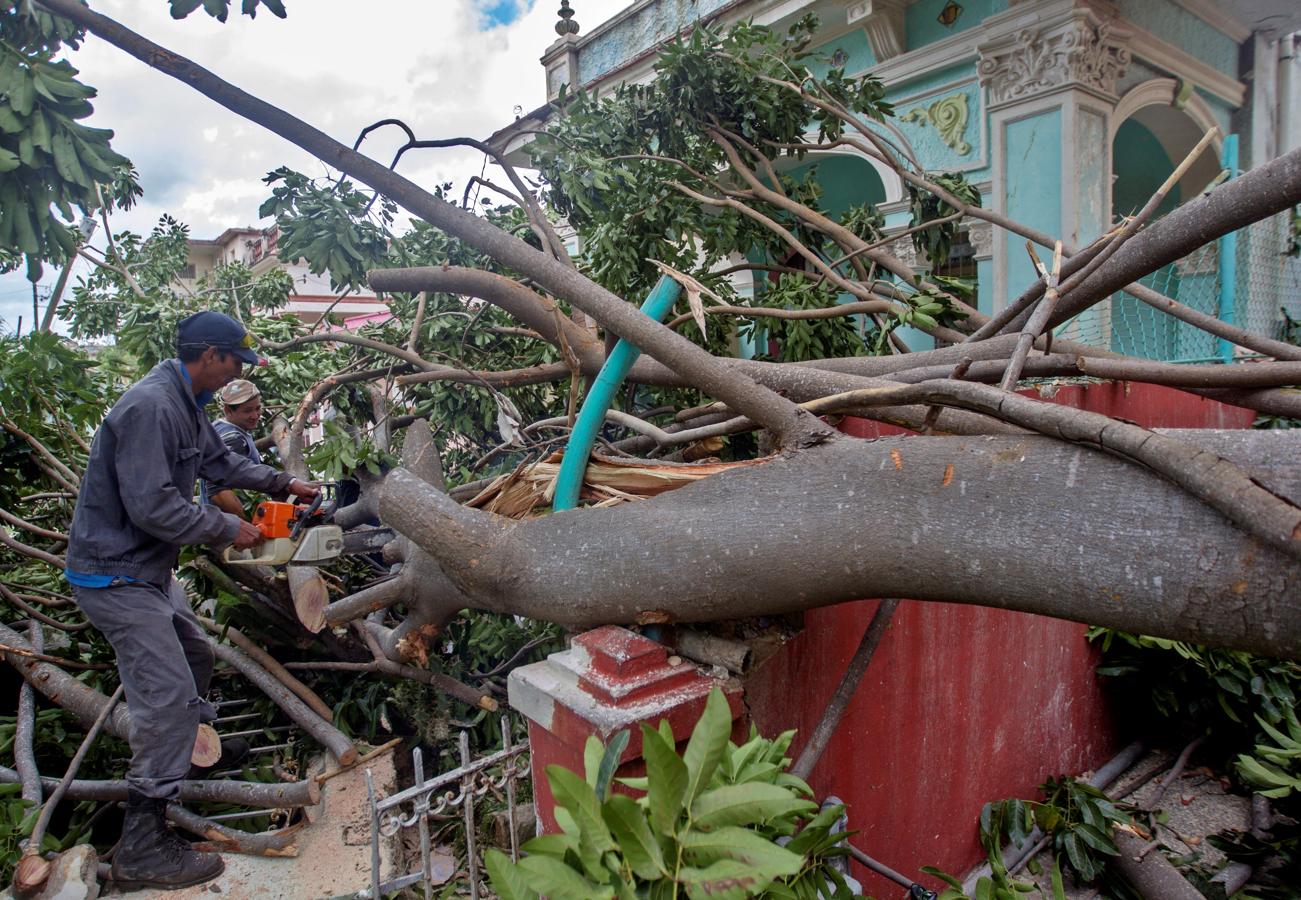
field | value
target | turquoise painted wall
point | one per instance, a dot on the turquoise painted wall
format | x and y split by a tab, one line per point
858	53
1032	179
931	150
846	181
1176	25
985	286
922	25
1141	165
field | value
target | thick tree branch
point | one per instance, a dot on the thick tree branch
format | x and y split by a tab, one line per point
967	524
1216	481
1265	190
791	426
529	307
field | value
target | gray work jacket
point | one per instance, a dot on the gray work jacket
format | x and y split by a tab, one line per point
136	505
237	440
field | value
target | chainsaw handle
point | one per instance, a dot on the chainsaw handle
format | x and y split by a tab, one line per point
301	522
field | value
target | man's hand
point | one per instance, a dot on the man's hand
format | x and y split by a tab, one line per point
304	490
247	537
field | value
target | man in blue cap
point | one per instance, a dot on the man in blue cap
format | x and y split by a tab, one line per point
135	510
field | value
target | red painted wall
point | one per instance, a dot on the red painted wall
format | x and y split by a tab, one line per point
961	704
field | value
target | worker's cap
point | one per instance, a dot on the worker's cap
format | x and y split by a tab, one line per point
238	391
214	329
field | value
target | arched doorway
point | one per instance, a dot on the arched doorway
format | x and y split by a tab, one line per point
845	180
1152	136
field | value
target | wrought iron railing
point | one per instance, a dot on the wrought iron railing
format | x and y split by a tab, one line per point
459	788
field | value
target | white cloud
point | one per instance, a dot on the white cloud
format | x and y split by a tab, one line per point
338	64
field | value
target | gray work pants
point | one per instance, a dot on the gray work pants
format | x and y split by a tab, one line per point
165	661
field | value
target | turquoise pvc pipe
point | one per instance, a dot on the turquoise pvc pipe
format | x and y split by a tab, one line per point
1228	258
592	414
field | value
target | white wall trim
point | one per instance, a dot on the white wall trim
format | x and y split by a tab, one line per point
948	53
890	180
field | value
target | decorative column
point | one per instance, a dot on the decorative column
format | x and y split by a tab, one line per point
560	62
609	680
1050	70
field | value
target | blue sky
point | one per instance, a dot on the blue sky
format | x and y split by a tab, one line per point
448	68
501	12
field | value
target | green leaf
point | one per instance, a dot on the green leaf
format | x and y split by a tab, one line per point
557	881
551	845
593	750
508	880
1097	839
745	804
8	160
743	845
943	876
577	796
627	823
708	742
666	776
610	763
1059	889
726	879
1077	855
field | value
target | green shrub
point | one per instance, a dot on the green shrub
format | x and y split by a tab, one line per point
719	821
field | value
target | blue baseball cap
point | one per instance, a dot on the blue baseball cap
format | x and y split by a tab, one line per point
213	329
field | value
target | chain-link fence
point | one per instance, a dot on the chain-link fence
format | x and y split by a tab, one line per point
1246	277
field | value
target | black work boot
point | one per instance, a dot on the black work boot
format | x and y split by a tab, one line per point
233	753
151	855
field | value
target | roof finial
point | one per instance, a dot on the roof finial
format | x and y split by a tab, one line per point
566	25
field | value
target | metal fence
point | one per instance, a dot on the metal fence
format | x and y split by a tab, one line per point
1251	292
413	807
1245	278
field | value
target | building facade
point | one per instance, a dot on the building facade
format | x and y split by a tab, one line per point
1066	114
311	296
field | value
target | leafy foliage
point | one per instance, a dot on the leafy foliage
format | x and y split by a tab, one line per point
1246	707
716	821
615	167
1077	816
328	226
1200	689
936	239
1275	769
49	161
219	9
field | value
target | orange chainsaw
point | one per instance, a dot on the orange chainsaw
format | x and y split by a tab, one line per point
292	533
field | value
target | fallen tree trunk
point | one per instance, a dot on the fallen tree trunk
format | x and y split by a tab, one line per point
282	795
1029	524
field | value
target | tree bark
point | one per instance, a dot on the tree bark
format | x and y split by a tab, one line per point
282	795
62	689
1028	523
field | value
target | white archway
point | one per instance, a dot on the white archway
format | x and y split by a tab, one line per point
890	180
1177	127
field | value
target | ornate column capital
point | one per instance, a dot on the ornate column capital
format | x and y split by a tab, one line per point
1078	50
981	236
